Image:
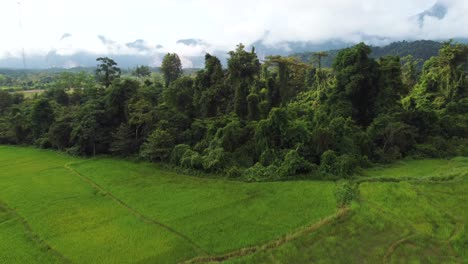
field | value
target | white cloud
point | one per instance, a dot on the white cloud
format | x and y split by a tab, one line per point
38	25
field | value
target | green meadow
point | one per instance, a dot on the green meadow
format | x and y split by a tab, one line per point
55	208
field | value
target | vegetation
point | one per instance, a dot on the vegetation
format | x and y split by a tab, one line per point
279	120
422	220
57	208
108	210
421	50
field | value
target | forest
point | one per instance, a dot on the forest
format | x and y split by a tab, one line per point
255	120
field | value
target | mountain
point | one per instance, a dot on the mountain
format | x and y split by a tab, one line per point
420	49
140	52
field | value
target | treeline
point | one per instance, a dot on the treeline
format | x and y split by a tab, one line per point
271	120
421	50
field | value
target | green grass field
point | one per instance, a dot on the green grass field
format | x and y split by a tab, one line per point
108	211
422	220
55	208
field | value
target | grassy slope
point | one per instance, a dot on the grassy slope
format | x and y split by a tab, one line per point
86	224
393	222
75	220
219	215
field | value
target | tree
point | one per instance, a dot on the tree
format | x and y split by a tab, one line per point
6	100
140	117
42	117
158	146
243	68
171	68
291	77
211	97
254	110
409	72
123	141
390	84
317	57
89	132
117	98
107	71
60	133
179	95
356	81
142	71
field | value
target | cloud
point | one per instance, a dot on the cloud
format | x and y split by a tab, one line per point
64	36
153	27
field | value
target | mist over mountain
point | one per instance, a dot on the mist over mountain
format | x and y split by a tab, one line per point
73	50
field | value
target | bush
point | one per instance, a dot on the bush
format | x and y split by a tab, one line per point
259	173
178	152
345	192
294	164
191	160
269	157
234	172
214	159
337	166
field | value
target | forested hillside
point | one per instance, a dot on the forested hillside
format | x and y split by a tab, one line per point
278	119
421	50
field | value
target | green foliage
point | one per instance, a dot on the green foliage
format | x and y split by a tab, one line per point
42	117
294	164
282	114
243	67
333	165
214	159
6	100
357	76
345	193
124	142
179	95
142	71
178	152
171	68
158	145
211	97
107	71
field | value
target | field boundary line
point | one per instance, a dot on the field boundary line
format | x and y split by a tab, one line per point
133	211
395	245
32	235
341	213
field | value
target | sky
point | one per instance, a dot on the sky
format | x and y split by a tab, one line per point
70	26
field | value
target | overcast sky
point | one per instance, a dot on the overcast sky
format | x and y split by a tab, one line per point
39	25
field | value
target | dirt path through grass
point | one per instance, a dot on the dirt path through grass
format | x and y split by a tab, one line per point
274	243
31	234
132	210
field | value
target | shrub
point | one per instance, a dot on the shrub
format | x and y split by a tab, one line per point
294	164
337	166
259	173
234	172
191	160
345	192
178	152
214	159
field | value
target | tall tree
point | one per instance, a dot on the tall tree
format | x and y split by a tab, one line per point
142	71
390	84
243	68
317	58
107	71
291	77
171	68
210	96
42	117
356	81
